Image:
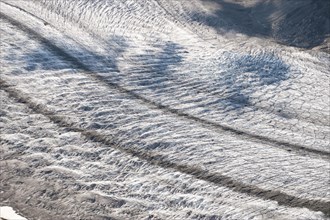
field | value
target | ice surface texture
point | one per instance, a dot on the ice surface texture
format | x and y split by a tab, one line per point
148	110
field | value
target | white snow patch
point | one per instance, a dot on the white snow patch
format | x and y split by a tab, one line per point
8	213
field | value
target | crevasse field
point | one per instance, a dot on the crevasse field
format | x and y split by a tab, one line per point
165	109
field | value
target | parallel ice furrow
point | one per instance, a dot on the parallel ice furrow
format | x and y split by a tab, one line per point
93	172
136	125
132	73
240	98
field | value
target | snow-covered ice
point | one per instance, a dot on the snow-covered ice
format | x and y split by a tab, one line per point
151	110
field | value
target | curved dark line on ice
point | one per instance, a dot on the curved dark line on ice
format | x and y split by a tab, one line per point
25	11
300	149
162	161
79	65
